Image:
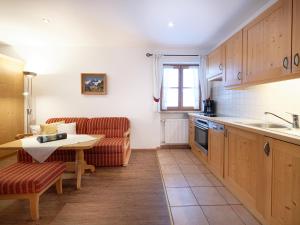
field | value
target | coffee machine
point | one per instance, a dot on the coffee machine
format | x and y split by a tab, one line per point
209	107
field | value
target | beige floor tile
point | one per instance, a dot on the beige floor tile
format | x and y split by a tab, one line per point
229	197
175	180
245	215
221	215
181	197
195	180
170	169
188	215
208	196
189	169
215	181
203	168
167	160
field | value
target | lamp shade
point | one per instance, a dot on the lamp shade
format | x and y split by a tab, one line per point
29	74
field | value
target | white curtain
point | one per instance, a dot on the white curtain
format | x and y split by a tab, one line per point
157	81
196	89
204	84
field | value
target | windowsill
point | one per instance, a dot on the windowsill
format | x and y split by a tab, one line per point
191	111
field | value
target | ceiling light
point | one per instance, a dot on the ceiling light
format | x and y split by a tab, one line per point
170	24
45	20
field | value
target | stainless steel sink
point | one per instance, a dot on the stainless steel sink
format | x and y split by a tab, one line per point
267	125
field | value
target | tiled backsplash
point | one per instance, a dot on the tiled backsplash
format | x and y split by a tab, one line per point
252	102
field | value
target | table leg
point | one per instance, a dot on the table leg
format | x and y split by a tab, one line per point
79	167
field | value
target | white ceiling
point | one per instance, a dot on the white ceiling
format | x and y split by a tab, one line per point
197	23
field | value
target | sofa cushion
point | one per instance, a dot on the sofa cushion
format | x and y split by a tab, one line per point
81	122
111	127
109	145
24	178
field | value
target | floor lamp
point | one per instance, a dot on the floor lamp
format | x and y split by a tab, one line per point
28	97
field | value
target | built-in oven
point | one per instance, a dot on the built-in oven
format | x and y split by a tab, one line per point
201	135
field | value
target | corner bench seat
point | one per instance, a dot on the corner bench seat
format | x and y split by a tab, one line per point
29	181
113	150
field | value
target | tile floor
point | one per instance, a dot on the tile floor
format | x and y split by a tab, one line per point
196	196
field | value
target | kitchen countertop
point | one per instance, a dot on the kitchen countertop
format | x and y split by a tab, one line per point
291	136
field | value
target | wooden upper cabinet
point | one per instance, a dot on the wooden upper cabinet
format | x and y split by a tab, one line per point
216	63
296	37
234	60
285	183
267	44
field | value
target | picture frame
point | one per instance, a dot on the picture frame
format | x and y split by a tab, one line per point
93	84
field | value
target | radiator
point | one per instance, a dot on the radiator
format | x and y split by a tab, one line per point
175	131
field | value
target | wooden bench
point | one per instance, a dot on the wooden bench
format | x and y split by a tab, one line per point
30	181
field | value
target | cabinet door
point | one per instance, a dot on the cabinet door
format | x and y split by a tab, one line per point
216	152
233	60
296	36
191	131
247	170
285	184
216	62
267	44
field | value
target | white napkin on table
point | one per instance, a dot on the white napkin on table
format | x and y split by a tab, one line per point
41	151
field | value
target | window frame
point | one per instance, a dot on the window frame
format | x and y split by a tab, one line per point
180	107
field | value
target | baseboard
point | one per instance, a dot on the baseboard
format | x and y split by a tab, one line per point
144	149
182	146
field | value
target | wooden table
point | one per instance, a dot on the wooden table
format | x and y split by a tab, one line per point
80	164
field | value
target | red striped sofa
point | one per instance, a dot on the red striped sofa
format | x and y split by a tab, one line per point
113	150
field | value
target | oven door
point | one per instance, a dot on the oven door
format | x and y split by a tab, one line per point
201	137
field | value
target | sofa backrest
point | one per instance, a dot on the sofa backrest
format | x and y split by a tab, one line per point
81	122
111	127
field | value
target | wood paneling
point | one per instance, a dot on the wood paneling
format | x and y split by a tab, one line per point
296	37
11	98
285	184
234	60
267	43
216	152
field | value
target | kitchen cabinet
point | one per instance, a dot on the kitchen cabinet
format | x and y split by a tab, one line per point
247	170
234	60
216	146
191	131
216	63
285	183
296	37
267	44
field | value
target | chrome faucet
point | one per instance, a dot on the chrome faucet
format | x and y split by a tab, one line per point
295	122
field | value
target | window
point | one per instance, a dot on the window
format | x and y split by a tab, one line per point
180	87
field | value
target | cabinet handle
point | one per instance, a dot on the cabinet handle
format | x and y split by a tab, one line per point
239	76
267	148
285	62
221	67
296	59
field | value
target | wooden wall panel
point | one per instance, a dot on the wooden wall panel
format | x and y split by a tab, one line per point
11	98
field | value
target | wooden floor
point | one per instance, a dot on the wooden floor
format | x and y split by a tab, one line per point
132	195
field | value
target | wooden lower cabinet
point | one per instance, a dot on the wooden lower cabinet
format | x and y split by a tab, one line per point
247	170
216	152
285	208
191	131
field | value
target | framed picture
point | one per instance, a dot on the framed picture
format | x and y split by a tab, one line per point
93	84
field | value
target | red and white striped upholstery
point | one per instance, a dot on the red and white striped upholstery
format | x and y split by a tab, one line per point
25	178
109	152
81	122
111	127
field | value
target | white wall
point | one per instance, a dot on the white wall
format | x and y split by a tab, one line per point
252	102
